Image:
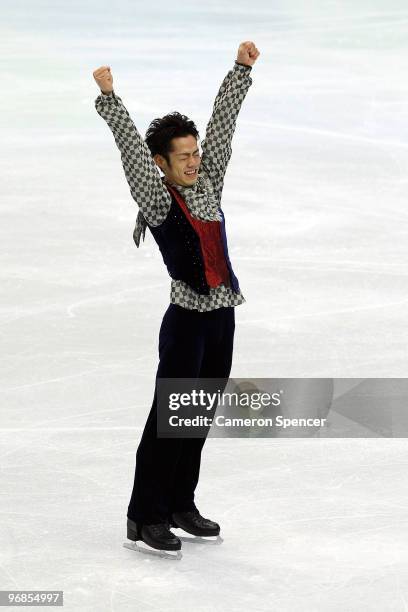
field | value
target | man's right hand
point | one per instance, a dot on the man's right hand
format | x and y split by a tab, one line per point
104	79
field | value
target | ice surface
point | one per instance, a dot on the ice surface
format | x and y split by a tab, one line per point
316	206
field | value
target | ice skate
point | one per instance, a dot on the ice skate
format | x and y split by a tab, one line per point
200	529
156	540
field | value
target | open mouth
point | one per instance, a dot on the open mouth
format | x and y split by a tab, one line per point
191	172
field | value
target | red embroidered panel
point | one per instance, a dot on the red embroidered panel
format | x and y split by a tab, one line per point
209	233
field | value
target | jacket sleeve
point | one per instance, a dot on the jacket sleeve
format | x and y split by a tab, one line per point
216	147
141	173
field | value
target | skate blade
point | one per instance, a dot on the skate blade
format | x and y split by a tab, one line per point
175	555
211	540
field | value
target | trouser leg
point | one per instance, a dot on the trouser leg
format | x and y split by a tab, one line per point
216	363
181	349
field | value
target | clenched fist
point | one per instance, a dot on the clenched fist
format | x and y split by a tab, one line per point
247	53
104	79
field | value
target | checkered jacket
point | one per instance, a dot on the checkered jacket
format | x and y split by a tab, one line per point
203	199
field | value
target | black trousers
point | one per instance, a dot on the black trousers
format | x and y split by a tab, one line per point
191	344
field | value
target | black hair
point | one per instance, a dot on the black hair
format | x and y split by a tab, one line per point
162	130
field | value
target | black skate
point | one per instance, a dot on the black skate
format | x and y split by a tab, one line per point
203	530
159	539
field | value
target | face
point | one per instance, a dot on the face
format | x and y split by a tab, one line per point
184	161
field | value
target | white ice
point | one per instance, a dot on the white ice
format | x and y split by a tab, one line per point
316	205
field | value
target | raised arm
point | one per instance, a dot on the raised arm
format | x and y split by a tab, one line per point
141	173
216	146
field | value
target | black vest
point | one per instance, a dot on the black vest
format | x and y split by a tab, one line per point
180	247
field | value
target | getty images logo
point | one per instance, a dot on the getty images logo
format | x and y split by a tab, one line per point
253	400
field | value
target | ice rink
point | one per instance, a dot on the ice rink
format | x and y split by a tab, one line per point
315	200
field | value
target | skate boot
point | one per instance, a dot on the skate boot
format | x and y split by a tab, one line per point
203	530
159	539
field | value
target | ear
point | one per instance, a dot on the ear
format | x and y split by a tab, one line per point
160	161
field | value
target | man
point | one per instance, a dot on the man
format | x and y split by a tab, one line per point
182	211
